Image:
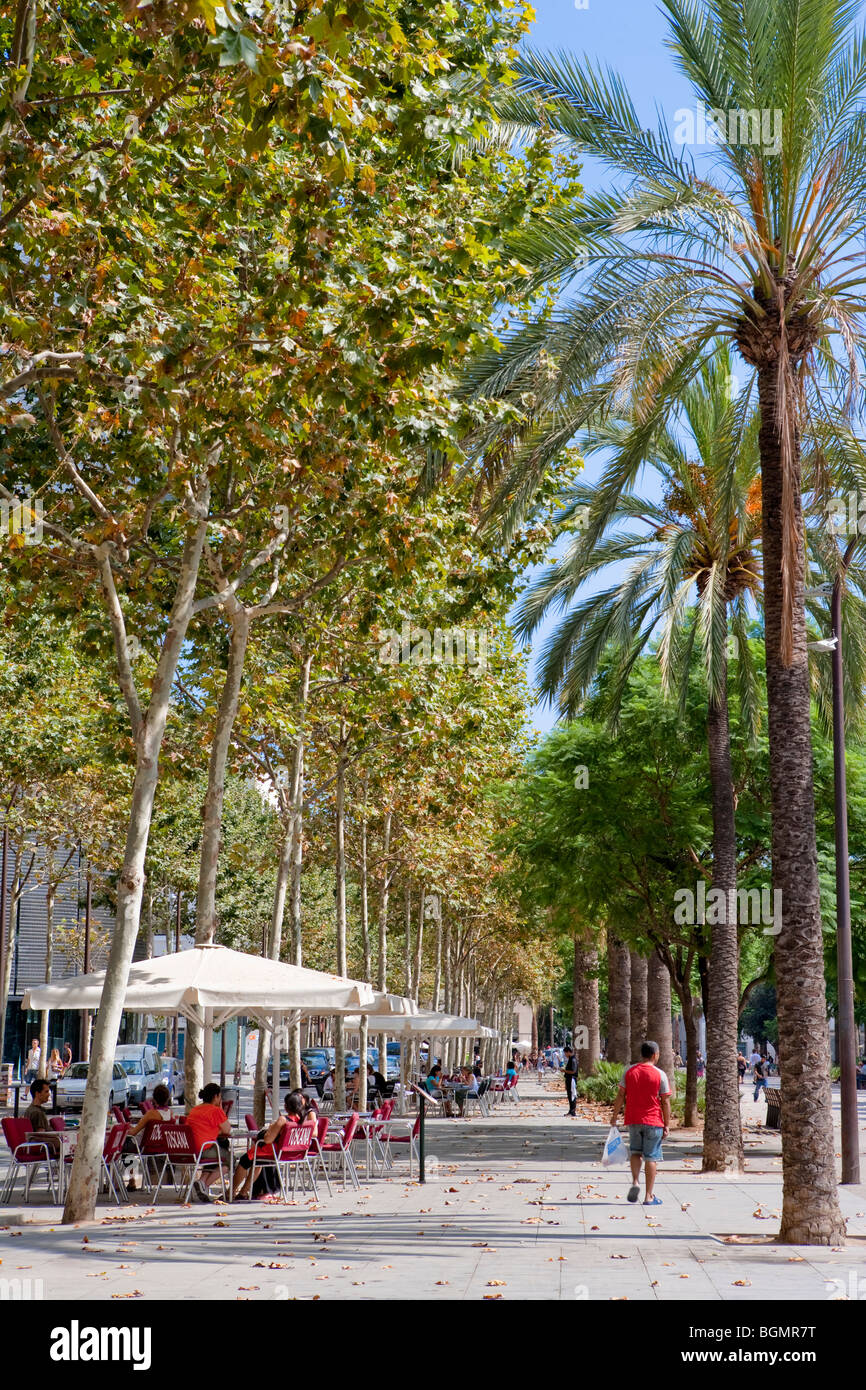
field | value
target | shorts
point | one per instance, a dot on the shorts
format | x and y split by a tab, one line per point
646	1140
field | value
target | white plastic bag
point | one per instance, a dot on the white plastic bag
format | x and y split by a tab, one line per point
615	1149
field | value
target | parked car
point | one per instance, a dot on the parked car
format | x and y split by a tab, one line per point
143	1070
317	1060
353	1060
71	1087
171	1075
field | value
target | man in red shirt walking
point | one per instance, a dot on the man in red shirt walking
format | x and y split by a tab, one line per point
647	1095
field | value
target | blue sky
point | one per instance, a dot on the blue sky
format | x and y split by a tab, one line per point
629	36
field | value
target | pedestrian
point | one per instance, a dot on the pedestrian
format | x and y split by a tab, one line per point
759	1076
539	1067
741	1067
67	1056
55	1066
570	1073
646	1094
700	1067
31	1066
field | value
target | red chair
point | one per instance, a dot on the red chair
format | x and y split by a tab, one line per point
292	1157
126	1113
118	1114
174	1143
145	1106
57	1123
342	1145
27	1157
250	1122
316	1147
410	1139
111	1152
227	1108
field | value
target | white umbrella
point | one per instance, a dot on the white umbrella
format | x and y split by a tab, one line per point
215	980
422	1023
211	984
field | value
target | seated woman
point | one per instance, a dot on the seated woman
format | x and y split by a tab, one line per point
433	1084
208	1122
246	1183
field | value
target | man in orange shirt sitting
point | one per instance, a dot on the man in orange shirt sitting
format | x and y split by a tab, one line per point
647	1095
208	1123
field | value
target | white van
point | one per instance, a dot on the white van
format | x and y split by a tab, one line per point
141	1063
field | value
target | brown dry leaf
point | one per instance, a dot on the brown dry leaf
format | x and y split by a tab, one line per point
742	1283
496	1284
136	1293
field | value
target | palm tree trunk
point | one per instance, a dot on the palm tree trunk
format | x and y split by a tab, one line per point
691	1116
585	1006
638	1005
658	996
810	1203
618	1001
723	1137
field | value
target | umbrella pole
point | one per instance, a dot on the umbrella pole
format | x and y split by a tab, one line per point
207	1048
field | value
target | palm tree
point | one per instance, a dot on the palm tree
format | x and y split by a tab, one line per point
700	539
763	246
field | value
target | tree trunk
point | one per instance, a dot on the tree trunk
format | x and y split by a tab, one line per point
618	1001
297	797
535	1029
637	1005
339	1030
49	961
212	817
84	1178
419	946
437	979
810	1203
382	960
585	1007
407	923
659	1015
7	953
365	920
691	1116
723	1137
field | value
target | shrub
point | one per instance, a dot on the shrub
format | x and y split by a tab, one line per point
603	1085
